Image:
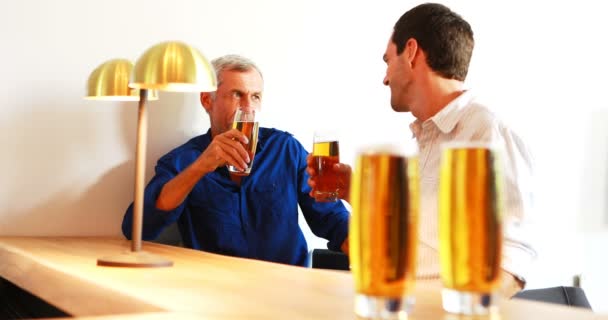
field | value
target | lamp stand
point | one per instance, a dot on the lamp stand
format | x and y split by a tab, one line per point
137	258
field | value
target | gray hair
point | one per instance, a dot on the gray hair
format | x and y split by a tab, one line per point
233	62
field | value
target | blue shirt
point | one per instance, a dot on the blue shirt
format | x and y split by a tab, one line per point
259	218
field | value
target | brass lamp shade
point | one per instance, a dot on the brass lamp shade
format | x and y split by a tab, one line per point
174	66
168	66
110	81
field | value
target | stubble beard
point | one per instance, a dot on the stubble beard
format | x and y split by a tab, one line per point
397	102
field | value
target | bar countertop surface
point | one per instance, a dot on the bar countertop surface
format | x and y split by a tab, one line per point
200	285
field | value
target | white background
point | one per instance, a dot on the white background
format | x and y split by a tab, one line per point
67	164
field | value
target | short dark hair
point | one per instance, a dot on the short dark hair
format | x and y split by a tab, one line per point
445	37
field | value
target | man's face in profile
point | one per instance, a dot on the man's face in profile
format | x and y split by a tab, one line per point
398	77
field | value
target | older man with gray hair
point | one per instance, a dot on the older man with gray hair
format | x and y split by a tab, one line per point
254	216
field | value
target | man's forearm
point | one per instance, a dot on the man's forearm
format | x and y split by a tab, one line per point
177	189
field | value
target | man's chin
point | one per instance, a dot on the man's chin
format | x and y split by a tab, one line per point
399	108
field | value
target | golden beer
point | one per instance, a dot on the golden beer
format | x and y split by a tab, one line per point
325	155
470	220
384	225
250	130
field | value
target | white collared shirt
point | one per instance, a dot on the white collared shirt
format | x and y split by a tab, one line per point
465	119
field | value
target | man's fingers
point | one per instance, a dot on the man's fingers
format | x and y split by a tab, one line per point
311	172
234	134
342	168
236	152
230	159
310	165
228	150
231	145
309	160
312	183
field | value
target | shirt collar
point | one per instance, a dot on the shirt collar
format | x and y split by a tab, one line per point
261	139
447	118
204	140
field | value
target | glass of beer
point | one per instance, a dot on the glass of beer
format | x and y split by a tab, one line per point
383	232
470	227
326	153
246	121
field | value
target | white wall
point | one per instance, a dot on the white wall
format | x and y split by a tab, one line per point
68	163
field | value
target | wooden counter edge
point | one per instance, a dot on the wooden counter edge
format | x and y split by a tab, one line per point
77	297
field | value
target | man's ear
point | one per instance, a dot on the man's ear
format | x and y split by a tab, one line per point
411	51
206	101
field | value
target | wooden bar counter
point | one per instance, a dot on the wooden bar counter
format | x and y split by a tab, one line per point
200	285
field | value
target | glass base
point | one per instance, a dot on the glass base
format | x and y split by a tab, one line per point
325	196
235	171
468	303
374	307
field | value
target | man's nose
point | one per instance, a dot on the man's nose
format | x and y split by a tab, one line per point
385	81
247	104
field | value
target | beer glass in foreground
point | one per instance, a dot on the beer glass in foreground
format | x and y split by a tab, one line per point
384	232
325	152
246	121
470	227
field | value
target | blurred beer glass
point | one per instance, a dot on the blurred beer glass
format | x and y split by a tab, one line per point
246	121
326	153
470	227
383	232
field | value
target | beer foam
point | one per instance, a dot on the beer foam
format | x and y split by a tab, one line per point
398	149
463	144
